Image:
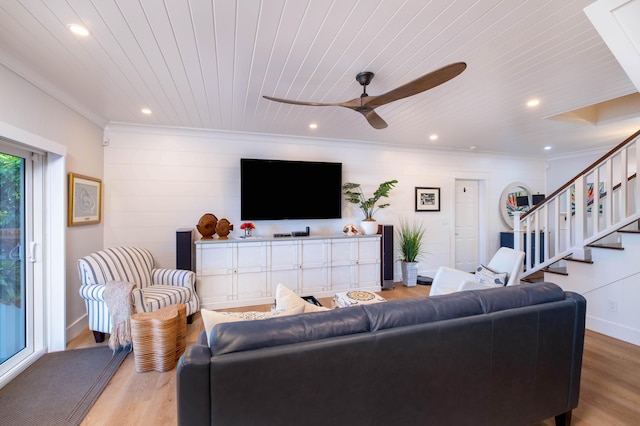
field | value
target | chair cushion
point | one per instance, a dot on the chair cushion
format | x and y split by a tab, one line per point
485	275
159	296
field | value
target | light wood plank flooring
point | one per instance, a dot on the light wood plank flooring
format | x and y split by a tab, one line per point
609	393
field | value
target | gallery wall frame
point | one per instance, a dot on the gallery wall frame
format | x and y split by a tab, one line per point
427	199
85	200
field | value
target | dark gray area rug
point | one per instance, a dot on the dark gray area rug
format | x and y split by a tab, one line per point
59	388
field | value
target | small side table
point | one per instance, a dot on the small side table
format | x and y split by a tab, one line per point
159	338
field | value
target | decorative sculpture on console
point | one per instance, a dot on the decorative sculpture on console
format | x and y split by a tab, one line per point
207	226
223	229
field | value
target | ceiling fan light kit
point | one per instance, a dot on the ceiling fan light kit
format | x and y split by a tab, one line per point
366	104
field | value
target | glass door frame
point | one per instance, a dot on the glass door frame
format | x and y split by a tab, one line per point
26	237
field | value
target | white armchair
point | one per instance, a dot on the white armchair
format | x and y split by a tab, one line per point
449	280
154	288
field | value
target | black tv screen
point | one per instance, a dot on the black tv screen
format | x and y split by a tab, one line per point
537	198
279	189
522	201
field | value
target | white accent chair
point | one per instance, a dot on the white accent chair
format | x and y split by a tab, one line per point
155	288
448	280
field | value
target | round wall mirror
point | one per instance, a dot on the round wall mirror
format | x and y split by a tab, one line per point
515	197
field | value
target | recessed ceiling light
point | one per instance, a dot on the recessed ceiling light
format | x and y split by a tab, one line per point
533	103
145	111
313	126
547	148
433	137
78	30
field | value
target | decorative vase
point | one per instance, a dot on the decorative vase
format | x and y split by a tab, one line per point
248	232
409	273
369	226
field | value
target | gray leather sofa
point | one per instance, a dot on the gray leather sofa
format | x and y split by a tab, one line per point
506	356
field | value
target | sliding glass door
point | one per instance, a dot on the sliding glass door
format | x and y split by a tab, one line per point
15	179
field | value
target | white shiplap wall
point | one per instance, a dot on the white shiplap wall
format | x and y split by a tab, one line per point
159	179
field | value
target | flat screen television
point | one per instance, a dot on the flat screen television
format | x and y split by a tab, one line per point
281	189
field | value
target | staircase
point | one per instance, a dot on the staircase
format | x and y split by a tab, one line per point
591	241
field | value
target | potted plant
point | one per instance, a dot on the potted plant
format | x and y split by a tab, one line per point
411	247
353	194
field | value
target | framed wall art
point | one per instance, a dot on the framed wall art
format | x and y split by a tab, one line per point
427	199
85	200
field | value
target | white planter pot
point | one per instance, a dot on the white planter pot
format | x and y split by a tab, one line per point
409	273
369	227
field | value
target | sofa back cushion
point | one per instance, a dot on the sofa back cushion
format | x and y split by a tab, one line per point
397	313
403	312
494	300
248	335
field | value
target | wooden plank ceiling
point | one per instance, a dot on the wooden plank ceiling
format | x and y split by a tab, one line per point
207	64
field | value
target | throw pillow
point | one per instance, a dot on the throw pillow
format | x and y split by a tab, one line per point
286	299
212	318
487	276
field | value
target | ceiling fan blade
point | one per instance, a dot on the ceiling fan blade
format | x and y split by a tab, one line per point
287	101
374	119
419	85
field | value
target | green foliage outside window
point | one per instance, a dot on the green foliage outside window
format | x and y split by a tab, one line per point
10	178
10	225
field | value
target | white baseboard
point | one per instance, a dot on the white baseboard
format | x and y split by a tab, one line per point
614	330
77	327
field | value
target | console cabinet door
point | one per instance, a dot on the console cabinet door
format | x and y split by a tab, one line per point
215	272
314	266
368	261
250	271
343	271
284	265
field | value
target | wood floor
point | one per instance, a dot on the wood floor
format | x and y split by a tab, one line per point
609	393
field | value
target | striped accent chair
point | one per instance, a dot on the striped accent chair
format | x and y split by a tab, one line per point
155	288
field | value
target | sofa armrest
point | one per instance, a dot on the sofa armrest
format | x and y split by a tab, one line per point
93	292
193	387
177	277
447	280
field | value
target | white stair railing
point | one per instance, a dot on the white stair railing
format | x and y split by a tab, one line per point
601	200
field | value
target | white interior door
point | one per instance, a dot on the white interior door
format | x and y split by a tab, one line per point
466	225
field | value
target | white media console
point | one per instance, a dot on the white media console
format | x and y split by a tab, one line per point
245	272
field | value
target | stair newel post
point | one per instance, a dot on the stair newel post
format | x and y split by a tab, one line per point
517	236
580	252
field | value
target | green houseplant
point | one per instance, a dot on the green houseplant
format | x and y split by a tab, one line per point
411	246
353	194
